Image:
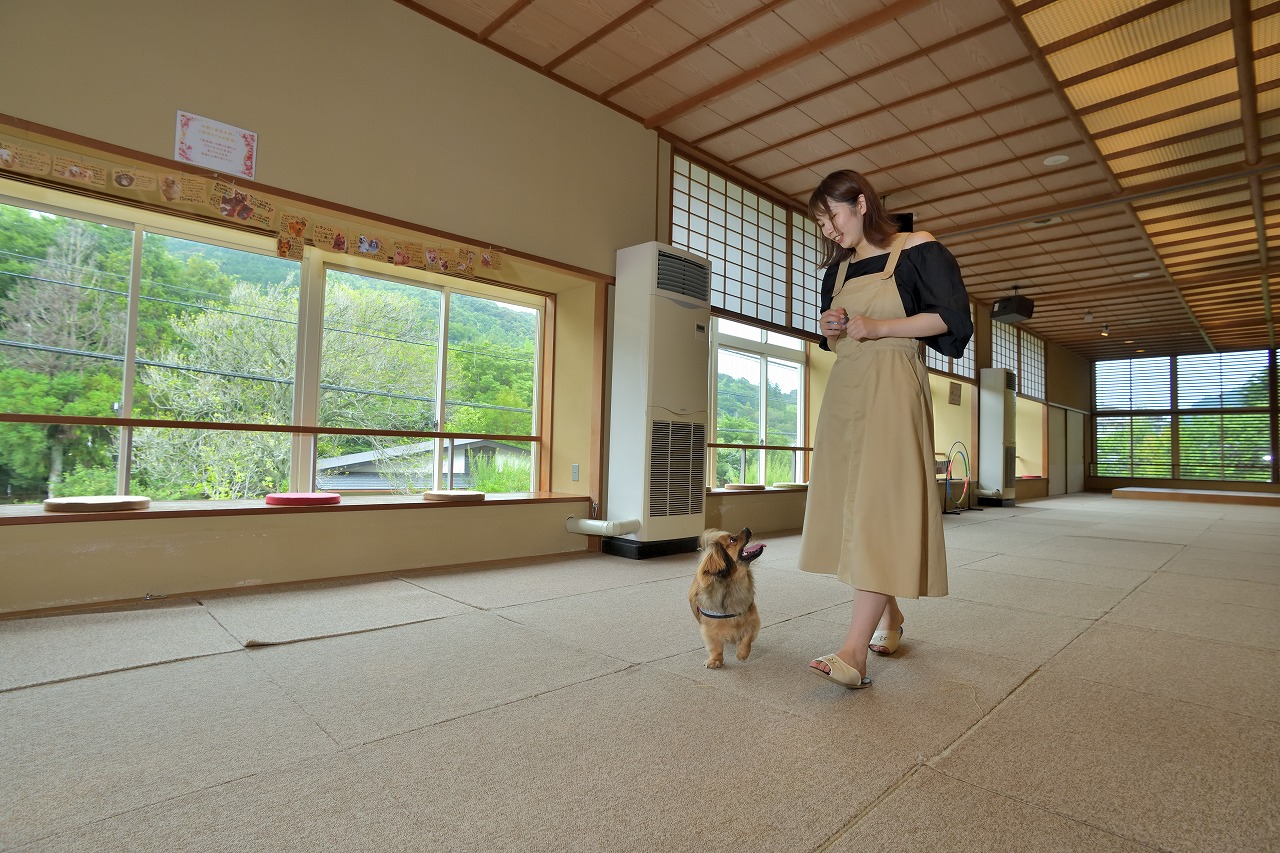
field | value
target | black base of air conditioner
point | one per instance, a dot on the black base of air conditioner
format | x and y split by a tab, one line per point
636	550
995	501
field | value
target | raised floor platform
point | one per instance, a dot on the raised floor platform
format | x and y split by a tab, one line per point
1200	495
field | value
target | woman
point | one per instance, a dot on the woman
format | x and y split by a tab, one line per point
873	517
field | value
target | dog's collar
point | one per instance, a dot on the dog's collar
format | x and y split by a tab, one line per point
713	615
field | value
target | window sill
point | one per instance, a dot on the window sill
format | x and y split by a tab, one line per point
14	514
765	490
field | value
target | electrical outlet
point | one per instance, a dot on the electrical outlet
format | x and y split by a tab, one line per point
575	472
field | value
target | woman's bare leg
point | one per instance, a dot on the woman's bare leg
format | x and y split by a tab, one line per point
868	608
890	620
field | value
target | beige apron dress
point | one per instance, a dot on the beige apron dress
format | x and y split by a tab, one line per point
873	517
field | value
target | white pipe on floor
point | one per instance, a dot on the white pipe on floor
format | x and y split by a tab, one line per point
598	527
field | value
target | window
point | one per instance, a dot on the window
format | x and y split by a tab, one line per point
962	366
1193	417
759	400
208	333
746	238
64	294
1031	365
1004	346
806	278
217	342
1023	353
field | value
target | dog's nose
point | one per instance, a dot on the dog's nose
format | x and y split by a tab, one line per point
746	534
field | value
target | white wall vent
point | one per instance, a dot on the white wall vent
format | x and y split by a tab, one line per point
678	274
677	468
658	411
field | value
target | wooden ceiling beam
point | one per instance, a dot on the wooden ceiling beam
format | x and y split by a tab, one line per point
685	51
1242	32
1260	220
1188	109
938	125
499	22
841	34
1033	248
879	69
1189	136
620	21
1161	49
1208	177
1143	11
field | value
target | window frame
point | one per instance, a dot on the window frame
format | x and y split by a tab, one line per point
765	351
303	430
1153	395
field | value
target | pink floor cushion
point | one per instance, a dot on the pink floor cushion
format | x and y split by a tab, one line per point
303	498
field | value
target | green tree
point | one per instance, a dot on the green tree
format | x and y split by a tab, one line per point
35	455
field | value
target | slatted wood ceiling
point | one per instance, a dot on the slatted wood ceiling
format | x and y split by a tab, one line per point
1157	225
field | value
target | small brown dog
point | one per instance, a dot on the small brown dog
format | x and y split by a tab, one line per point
723	594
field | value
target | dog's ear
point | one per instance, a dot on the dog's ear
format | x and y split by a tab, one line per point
715	559
709	536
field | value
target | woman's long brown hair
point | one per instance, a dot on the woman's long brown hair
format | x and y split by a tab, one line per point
845	186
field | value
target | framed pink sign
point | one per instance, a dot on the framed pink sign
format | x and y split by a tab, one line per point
221	147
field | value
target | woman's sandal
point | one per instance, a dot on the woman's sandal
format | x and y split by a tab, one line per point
841	673
885	642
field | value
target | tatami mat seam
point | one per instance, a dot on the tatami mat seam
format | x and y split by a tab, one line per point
95	674
1041	808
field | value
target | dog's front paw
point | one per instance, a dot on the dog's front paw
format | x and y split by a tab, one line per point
715	663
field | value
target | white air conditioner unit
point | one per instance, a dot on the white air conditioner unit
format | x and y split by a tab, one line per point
658	415
997	430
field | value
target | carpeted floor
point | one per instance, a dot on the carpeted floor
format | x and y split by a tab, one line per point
1103	676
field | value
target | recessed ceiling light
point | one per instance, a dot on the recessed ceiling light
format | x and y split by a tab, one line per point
1139	350
1128	342
1142	275
1106	330
1056	159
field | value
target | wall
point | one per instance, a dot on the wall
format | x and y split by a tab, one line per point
1068	378
66	563
384	112
368	105
953	423
1029	438
769	511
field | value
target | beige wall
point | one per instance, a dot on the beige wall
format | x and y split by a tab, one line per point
1029	438
953	423
772	511
368	105
574	403
1068	379
65	563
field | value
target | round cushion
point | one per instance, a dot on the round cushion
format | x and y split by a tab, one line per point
303	498
452	495
96	503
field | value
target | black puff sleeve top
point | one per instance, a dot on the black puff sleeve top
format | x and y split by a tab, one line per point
929	281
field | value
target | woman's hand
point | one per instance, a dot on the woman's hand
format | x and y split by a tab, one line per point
832	323
864	328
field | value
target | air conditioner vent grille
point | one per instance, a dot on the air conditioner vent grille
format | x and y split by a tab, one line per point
677	468
683	276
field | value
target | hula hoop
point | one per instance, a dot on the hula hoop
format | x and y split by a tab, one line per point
957	451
